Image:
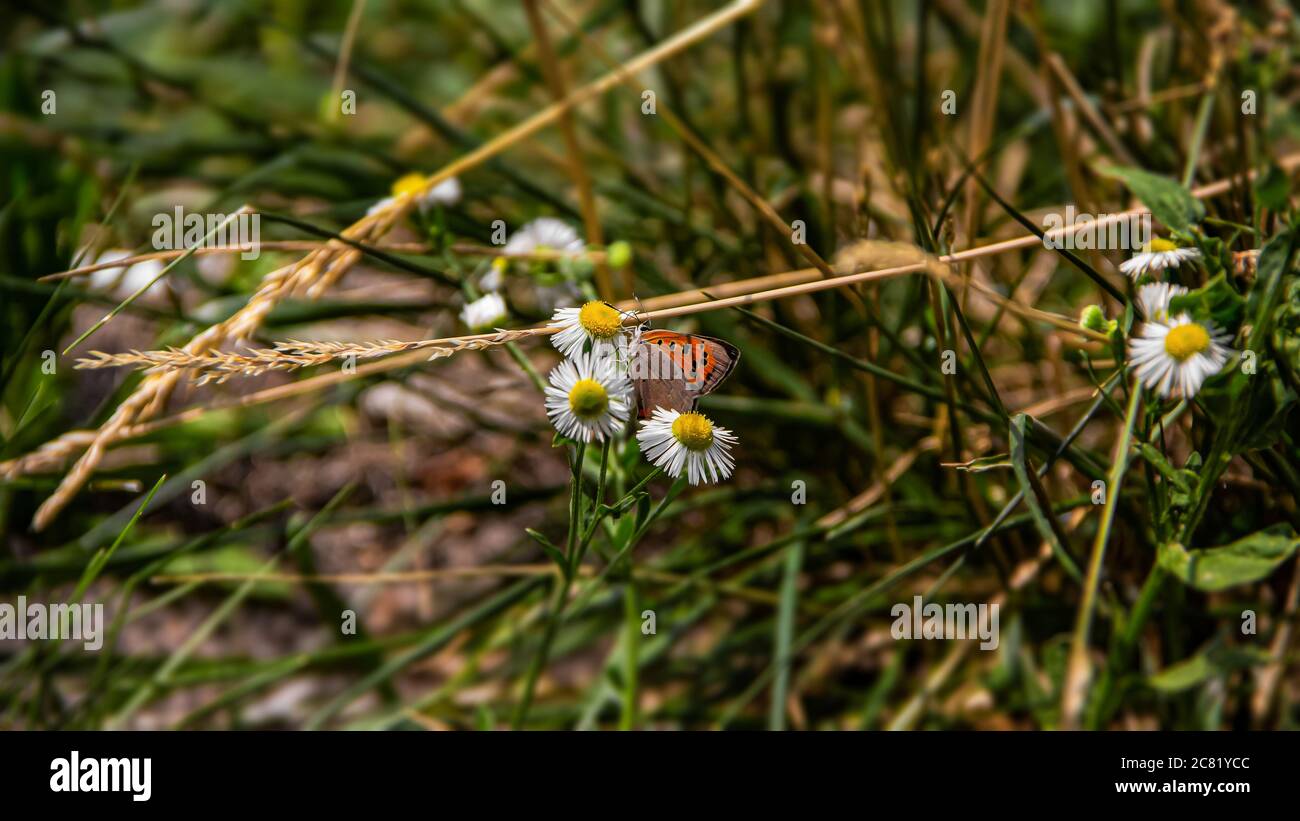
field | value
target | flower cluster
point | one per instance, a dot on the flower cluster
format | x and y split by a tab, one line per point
546	234
590	398
1174	354
590	395
1171	352
486	312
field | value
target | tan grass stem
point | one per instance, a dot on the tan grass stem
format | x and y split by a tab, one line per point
413	248
554	73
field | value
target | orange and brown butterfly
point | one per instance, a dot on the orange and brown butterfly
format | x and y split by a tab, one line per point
673	370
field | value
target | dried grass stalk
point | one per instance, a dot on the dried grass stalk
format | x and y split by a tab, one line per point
218	366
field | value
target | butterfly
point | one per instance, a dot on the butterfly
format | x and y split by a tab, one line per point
673	370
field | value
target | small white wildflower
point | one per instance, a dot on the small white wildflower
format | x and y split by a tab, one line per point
674	441
587	400
596	322
1174	355
1157	256
121	282
446	192
1154	298
544	234
495	277
486	312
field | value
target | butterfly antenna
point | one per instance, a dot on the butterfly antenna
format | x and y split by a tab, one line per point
640	310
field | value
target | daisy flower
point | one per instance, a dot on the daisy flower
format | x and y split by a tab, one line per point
487	311
1174	355
587	399
446	192
1154	299
1158	255
495	277
544	234
596	322
673	440
548	234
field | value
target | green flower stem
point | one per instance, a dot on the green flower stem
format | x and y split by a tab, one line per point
1075	688
597	513
1124	644
604	510
631	662
561	595
677	487
575	501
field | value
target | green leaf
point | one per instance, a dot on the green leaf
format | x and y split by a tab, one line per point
1182	480
1216	301
1212	661
1274	260
1186	673
1273	189
1170	202
550	549
1246	560
559	440
101	558
1265	417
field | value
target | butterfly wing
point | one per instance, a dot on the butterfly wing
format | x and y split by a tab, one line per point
718	360
673	370
657	377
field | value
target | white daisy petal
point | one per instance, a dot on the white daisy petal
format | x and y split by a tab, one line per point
1157	256
446	192
106	279
1136	266
380	206
596	325
1154	298
696	445
492	280
587	400
140	275
1174	356
545	233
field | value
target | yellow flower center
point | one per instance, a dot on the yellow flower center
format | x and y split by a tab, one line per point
1186	340
588	399
1159	245
409	184
600	320
694	430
